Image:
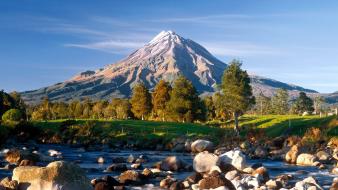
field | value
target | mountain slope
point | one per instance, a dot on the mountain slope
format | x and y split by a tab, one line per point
164	57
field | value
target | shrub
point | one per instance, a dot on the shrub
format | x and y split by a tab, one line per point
12	115
313	135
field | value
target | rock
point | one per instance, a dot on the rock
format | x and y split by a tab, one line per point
54	176
178	144
105	183
100	160
323	156
261	152
202	145
204	161
177	186
308	183
102	185
131	177
9	184
306	159
291	155
54	153
131	159
263	172
147	173
334	185
251	182
15	156
26	163
136	166
245	145
166	183
172	163
232	174
187	145
215	180
117	167
274	184
10	166
334	171
194	178
234	157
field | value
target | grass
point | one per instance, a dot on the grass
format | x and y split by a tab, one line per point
126	130
136	129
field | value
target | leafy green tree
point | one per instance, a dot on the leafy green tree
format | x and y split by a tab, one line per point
140	101
184	103
78	111
160	97
263	104
280	102
210	108
303	104
237	91
221	111
318	102
122	108
87	108
13	115
98	109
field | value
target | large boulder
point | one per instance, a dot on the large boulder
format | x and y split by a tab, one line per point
55	175
204	161
261	152
131	177
291	155
215	180
235	158
308	183
202	145
172	163
306	159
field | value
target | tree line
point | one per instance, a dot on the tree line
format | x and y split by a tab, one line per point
178	102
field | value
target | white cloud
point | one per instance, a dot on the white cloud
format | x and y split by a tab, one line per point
110	46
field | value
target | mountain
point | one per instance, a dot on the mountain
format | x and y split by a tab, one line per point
166	56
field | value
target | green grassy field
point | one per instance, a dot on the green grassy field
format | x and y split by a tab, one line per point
275	125
272	125
143	130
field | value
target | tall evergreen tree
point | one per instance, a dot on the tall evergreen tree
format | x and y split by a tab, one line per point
303	104
280	102
140	101
263	104
160	97
184	101
237	91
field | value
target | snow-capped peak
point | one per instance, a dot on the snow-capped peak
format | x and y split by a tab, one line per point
163	34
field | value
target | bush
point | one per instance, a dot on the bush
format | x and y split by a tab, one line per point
3	134
12	115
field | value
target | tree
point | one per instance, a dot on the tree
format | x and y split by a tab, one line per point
318	104
13	115
221	111
140	101
303	104
280	103
237	91
263	104
184	103
160	97
210	108
122	108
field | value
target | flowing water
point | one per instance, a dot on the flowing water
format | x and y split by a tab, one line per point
88	161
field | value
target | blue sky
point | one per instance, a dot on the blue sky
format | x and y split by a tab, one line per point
45	42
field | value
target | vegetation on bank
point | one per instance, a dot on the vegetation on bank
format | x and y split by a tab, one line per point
170	111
